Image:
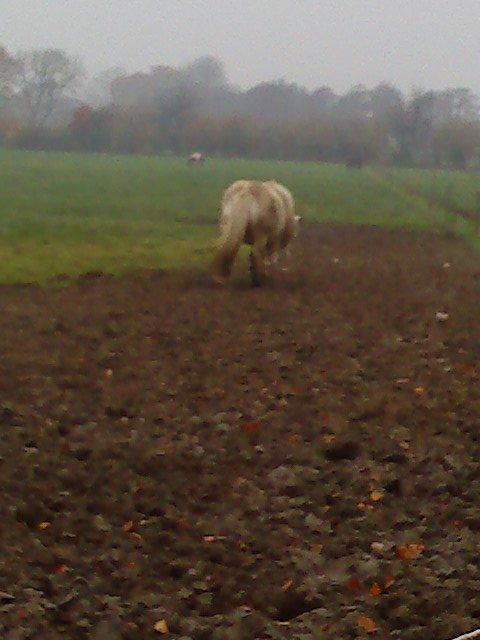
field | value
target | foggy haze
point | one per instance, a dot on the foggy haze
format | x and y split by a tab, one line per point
428	43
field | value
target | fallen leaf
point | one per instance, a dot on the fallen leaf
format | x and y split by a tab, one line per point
410	552
161	626
376	496
389	581
286	585
251	427
128	526
316	548
60	568
419	391
354	585
375	590
367	624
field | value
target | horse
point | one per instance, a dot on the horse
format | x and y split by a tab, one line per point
259	214
196	158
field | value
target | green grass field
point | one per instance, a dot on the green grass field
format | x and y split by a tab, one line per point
65	214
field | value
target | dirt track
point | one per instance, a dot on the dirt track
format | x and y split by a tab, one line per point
299	461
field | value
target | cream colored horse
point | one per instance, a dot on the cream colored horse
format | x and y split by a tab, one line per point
196	158
260	214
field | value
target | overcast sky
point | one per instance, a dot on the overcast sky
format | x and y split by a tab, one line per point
427	43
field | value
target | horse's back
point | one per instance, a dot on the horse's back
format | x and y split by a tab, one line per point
272	212
235	189
285	195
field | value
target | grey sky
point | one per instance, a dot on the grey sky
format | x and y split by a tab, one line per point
428	43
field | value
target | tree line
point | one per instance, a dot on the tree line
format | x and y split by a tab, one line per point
48	102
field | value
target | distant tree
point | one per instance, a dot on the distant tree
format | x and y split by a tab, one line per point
91	129
418	126
323	98
139	91
44	78
98	90
355	102
360	141
456	143
173	115
206	71
8	73
275	101
458	103
386	101
204	133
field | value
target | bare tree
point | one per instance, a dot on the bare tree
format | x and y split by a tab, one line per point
45	77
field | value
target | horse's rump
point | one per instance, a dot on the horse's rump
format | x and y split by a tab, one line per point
289	220
261	214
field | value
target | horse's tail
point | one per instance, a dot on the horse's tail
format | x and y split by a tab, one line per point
236	214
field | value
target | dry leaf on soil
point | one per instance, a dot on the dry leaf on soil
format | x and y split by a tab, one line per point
251	427
60	568
389	581
286	585
410	552
161	626
367	624
354	585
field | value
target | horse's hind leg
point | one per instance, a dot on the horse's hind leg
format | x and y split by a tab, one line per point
223	263
222	266
258	267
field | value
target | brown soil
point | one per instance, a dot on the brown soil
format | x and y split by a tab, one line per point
298	461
